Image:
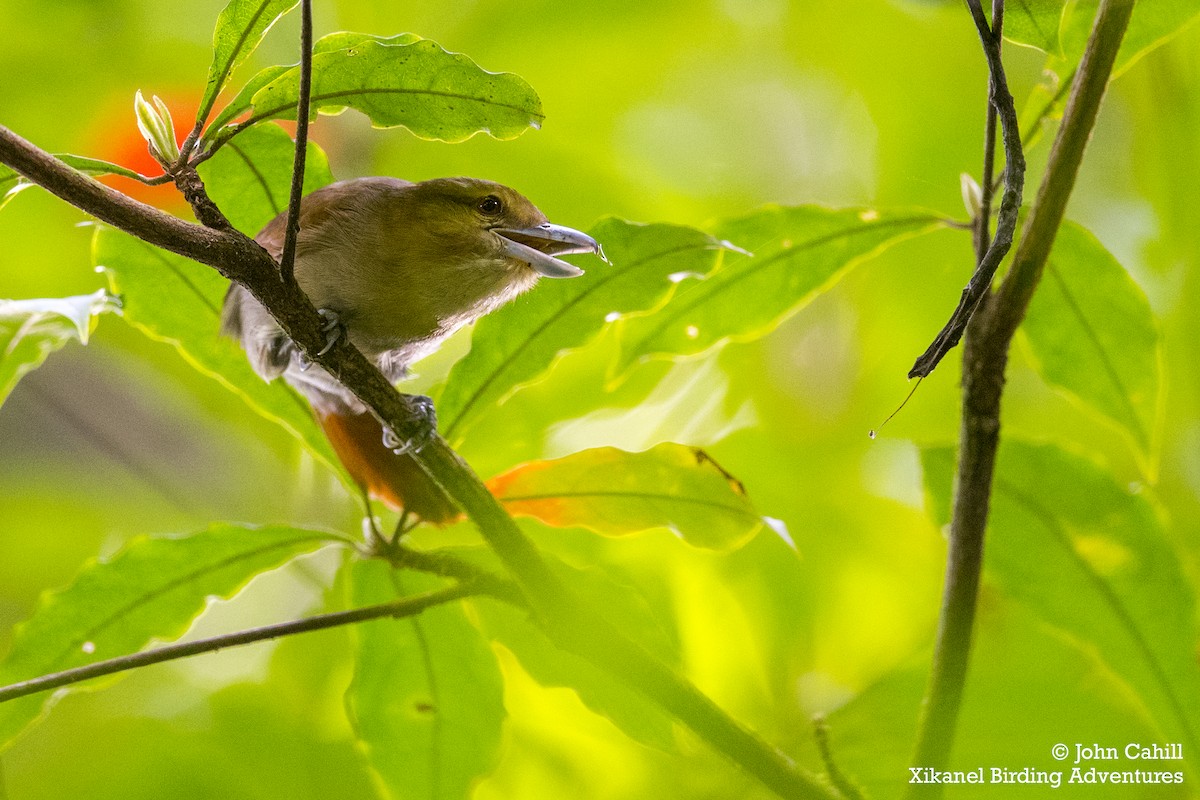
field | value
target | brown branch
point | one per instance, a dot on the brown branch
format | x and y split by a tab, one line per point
984	361
983	222
980	284
570	623
287	259
232	258
1079	118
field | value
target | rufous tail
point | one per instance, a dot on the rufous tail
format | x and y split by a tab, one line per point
395	480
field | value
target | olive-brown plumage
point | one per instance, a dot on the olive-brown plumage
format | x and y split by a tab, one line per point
398	267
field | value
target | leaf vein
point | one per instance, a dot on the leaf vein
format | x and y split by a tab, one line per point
180	275
1109	368
171	585
705	291
558	314
1110	597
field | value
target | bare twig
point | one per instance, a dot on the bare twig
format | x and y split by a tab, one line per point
844	784
407	607
984	363
1006	220
983	222
287	259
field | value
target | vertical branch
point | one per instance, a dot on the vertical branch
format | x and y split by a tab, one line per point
979	438
984	362
983	223
287	259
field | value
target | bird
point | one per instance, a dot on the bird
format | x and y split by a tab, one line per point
396	267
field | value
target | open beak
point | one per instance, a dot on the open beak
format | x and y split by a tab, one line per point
539	245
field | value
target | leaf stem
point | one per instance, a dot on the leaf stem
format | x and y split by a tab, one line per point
287	259
407	607
984	363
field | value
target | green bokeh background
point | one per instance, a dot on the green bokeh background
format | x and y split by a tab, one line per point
667	111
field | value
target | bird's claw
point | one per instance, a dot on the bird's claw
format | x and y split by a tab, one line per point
417	434
333	327
334	330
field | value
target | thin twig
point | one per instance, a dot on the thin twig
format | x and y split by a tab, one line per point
407	607
983	222
1079	118
849	789
1006	220
984	363
287	259
157	180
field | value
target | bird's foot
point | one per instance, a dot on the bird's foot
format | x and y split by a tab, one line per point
334	330
420	429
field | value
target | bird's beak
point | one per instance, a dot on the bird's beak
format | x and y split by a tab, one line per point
538	247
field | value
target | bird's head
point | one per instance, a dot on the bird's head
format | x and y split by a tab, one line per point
483	220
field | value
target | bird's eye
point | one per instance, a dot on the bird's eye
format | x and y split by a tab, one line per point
491	205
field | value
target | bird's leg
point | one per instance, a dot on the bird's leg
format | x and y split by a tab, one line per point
418	432
403	526
334	330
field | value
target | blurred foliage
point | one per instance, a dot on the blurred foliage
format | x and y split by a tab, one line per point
690	117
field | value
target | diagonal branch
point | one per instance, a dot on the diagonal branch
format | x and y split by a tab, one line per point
407	607
569	622
1001	99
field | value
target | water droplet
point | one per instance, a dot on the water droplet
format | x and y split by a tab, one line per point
88	647
612	316
692	331
871	433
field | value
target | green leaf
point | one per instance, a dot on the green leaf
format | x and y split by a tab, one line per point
151	590
1034	22
240	27
1062	29
1029	686
174	300
1093	335
1090	557
794	254
30	330
416	84
251	179
241	103
244	100
621	604
1152	24
12	182
427	696
617	493
518	343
